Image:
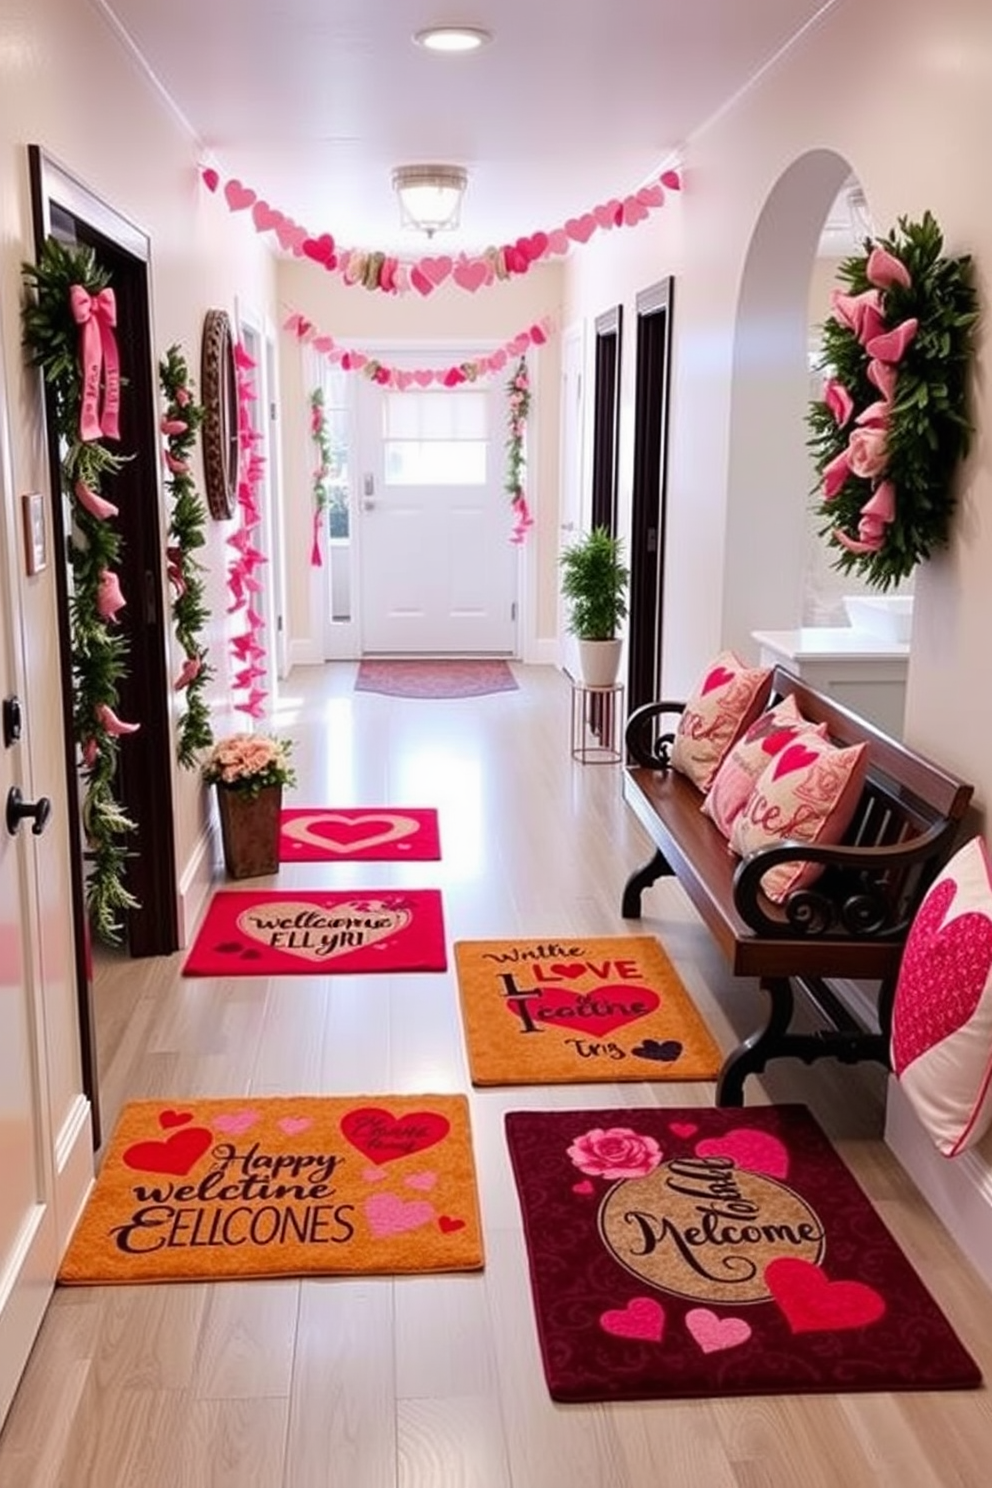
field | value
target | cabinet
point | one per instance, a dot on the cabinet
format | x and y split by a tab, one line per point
864	672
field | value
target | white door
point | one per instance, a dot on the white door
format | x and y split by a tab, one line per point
438	571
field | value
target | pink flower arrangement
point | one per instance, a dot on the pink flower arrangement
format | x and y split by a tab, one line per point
249	762
616	1152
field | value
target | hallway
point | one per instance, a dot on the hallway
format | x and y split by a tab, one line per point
436	1381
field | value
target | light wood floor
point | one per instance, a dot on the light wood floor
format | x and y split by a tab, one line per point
435	1382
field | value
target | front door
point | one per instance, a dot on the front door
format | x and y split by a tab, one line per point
438	572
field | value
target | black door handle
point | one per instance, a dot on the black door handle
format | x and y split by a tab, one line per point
19	810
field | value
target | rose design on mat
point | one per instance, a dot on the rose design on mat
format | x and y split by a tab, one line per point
616	1152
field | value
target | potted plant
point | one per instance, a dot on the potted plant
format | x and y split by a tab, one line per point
249	772
594	582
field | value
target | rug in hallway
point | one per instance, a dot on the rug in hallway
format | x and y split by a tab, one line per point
435	679
281	1186
696	1252
358	833
307	932
571	1010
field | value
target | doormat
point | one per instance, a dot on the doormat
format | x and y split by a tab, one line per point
692	1252
571	1010
302	932
435	679
343	834
284	1186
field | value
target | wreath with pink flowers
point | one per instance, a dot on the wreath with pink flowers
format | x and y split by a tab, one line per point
893	421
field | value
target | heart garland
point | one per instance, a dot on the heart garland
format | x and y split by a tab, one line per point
243	582
375	270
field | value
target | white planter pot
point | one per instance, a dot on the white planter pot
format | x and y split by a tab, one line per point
599	662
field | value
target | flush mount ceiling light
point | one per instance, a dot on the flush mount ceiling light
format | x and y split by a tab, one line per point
430	196
452	38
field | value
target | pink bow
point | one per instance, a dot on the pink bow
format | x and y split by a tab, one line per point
99	362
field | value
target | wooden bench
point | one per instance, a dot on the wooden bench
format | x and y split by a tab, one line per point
850	924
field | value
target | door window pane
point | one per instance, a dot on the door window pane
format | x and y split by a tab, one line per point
437	438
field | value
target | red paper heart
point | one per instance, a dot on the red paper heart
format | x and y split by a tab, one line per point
448	1226
176	1155
210	178
718	677
537	245
382	1137
945	968
814	1304
174	1118
643	1318
672	180
567	1007
796	757
238	196
321	249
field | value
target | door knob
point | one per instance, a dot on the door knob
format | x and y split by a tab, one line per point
19	810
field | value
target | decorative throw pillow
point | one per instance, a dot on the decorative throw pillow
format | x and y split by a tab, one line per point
942	1013
747	759
727	699
809	792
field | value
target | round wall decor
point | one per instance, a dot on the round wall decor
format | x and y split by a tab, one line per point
218	383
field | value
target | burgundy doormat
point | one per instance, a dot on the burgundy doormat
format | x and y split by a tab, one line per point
435	679
694	1252
299	932
370	833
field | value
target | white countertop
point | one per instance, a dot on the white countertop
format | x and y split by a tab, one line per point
826	641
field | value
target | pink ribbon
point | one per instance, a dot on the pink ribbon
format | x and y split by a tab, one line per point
99	362
316	561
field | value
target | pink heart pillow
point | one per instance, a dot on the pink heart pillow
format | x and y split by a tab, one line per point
942	1013
747	759
808	792
728	697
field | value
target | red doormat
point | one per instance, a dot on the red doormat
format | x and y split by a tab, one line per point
435	679
300	932
281	1186
343	834
693	1252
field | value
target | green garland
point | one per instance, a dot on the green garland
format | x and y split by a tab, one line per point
893	422
325	455
99	651
180	423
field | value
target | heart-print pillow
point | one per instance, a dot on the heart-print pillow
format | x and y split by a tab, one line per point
808	792
942	1013
725	701
746	760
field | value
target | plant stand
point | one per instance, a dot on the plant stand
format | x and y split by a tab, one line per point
249	828
597	716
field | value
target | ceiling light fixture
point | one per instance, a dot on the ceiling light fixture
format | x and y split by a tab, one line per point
453	38
430	196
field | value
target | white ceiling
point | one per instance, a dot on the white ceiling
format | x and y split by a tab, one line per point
313	102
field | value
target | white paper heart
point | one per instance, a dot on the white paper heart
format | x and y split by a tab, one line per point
301	829
314	932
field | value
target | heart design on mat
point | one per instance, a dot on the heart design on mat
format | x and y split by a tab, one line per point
293	1125
382	1137
570	970
683	1128
714	1334
643	1318
424	1181
448	1226
316	924
388	1215
598	1011
666	1051
337	833
237	1122
176	1155
944	972
755	1151
814	1304
585	1187
174	1118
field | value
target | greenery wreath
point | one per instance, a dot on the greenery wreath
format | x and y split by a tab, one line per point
893	421
180	423
99	650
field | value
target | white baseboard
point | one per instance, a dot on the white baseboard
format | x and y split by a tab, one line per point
540	653
305	652
195	884
958	1189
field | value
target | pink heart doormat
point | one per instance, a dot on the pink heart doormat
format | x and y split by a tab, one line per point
435	679
344	834
301	932
578	1010
693	1252
281	1186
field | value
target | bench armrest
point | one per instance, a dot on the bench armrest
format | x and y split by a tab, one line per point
648	745
865	892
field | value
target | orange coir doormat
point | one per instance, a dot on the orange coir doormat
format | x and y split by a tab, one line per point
573	1010
282	1186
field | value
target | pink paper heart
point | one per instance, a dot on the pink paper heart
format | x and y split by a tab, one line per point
423	378
423	1181
210	178
812	1303
714	1334
420	281
388	1215
672	180
498	360
436	270
608	214
683	1128
265	217
558	241
585	1187
237	1122
581	229
651	196
518	345
323	344
293	1125
643	1317
756	1151
403	380
291	237
470	274
634	211
238	197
